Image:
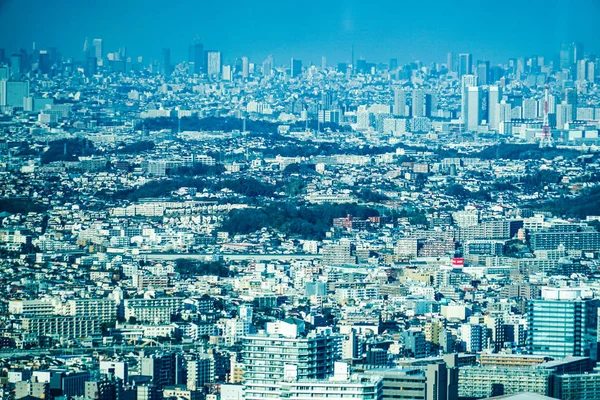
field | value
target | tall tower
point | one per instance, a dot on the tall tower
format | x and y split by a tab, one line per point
546	139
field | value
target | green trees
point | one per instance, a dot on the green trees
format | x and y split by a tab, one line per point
310	222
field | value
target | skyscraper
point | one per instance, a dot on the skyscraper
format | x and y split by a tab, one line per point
399	108
451	62
98	51
44	64
494	97
418	103
571	99
196	57
295	68
465	64
166	63
393	64
483	72
213	61
466	82
245	67
16	65
562	323
474	107
267	67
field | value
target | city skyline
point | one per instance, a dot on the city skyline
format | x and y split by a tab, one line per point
262	30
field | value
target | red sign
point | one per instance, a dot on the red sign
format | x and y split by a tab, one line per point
458	262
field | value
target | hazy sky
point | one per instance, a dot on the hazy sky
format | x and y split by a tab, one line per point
418	29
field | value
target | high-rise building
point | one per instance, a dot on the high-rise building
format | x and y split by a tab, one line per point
98	51
295	68
245	67
166	62
465	64
323	63
16	65
399	108
196	57
270	357
451	63
571	99
226	75
570	53
200	372
494	98
418	103
44	62
562	323
267	67
213	61
483	72
466	82
474	107
393	64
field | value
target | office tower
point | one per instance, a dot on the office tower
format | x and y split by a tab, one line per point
566	55
570	53
418	103
342	68
196	57
361	66
270	357
393	64
166	62
474	107
295	68
466	82
571	99
483	72
98	51
213	60
562	323
16	65
44	64
91	66
4	73
245	67
267	68
323	63
451	63
399	108
494	98
465	64
577	51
